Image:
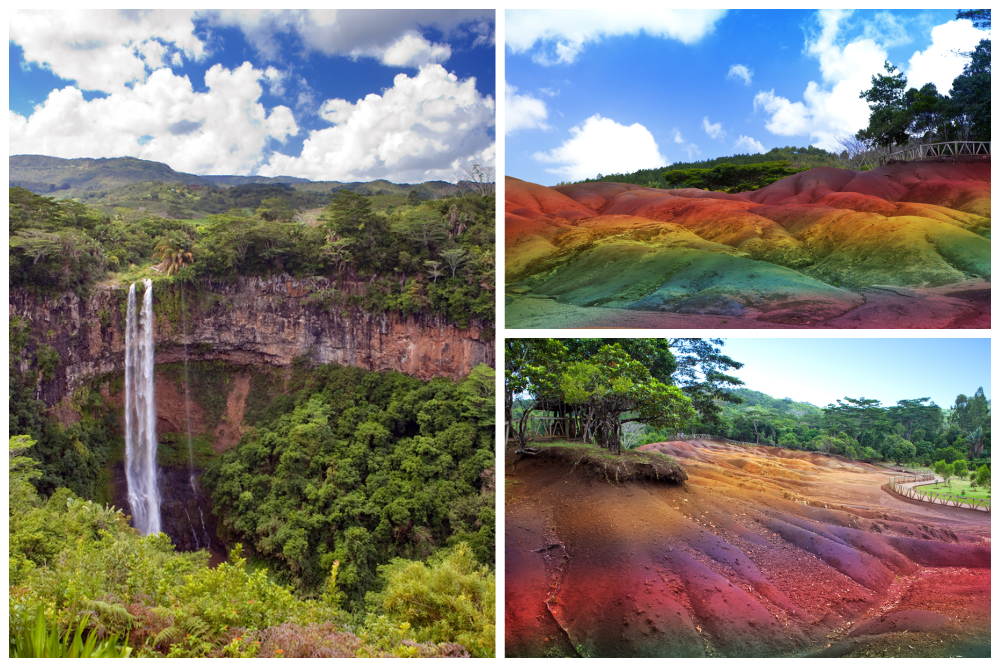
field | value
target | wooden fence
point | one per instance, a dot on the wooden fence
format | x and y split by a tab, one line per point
924	151
946	499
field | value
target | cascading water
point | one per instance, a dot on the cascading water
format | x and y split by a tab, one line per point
140	414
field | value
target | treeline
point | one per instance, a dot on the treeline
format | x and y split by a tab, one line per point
912	431
900	114
750	171
432	257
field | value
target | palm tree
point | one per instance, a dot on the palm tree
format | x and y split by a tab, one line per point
173	253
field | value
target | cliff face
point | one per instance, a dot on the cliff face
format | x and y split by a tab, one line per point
251	322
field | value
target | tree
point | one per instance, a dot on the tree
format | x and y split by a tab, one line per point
173	253
983	475
961	468
889	120
482	180
972	416
944	469
526	373
614	385
702	375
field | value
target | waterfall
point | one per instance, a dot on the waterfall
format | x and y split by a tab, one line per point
140	414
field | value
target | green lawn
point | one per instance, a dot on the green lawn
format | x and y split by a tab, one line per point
957	488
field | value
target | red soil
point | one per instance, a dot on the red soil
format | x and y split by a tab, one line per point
762	552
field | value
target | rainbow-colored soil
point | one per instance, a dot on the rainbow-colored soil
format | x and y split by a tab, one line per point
761	552
904	246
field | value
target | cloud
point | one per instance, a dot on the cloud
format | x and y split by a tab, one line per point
740	72
105	49
425	127
355	32
833	108
940	63
714	131
413	50
750	144
602	145
523	112
223	130
568	31
686	146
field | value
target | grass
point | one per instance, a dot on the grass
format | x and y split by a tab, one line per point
959	488
629	466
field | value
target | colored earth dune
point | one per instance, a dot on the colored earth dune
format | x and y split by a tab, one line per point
903	246
761	552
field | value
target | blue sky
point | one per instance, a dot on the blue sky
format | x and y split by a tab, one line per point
405	95
820	371
589	92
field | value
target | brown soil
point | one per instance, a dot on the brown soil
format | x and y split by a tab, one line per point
761	552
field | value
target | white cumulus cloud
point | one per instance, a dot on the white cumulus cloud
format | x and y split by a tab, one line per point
568	31
223	130
602	145
358	32
105	49
741	72
426	127
940	62
750	144
412	50
833	108
714	130
522	111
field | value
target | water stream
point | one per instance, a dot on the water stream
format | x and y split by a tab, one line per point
140	414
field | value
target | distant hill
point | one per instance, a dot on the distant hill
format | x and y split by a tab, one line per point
42	174
72	178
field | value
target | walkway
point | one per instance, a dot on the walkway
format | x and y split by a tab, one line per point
909	490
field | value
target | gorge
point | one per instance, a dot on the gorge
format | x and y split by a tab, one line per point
236	336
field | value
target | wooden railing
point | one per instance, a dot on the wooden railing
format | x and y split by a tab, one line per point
947	499
924	151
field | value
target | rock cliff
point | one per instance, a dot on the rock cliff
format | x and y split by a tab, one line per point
250	322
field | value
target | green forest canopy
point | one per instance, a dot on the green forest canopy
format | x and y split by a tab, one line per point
406	255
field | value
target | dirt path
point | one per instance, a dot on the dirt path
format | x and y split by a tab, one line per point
763	552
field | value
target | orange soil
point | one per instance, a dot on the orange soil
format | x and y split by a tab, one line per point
762	552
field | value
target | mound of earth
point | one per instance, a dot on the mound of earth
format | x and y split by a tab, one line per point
760	552
807	250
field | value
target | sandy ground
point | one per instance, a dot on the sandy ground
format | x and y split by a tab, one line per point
762	552
959	306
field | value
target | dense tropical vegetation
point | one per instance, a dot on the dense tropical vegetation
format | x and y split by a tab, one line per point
359	508
385	253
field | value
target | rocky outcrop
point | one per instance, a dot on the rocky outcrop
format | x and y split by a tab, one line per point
249	322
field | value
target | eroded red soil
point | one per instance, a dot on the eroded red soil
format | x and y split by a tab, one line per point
762	552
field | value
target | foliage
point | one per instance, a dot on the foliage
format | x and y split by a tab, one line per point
414	257
899	114
358	469
730	177
451	598
35	641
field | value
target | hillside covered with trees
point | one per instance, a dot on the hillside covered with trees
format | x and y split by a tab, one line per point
399	253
